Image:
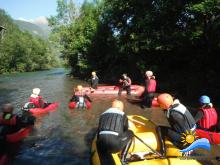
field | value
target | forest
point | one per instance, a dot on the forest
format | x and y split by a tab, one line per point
22	52
178	40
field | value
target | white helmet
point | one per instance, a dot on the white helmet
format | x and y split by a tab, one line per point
36	91
149	73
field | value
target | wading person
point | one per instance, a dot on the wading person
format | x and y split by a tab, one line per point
150	89
125	84
113	134
207	116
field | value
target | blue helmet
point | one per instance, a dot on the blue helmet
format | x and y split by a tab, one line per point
204	99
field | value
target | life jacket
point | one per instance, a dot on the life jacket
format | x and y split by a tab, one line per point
81	102
11	121
36	100
112	122
209	119
151	88
189	123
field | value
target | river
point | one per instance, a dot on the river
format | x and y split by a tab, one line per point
64	136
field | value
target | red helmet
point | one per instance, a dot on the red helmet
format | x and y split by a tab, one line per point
165	100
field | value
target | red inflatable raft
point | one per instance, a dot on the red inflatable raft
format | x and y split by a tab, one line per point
213	137
136	90
73	105
4	160
50	107
18	136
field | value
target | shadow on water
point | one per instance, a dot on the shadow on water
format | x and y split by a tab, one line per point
5	95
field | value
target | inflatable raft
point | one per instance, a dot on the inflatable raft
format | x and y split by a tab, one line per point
4	159
136	90
19	135
213	137
51	107
73	105
146	131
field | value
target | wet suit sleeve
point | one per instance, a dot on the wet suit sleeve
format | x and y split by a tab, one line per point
199	116
125	123
74	99
88	98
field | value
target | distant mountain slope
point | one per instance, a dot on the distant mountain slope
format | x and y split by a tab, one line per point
33	29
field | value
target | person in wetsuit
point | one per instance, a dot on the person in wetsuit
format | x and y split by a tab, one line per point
80	99
150	89
37	99
94	81
125	84
206	117
113	134
179	118
11	122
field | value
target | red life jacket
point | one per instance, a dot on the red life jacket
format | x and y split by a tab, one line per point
36	101
11	121
210	118
152	86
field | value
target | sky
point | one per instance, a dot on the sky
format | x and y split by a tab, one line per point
34	11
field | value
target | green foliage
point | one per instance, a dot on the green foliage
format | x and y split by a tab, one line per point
115	36
20	51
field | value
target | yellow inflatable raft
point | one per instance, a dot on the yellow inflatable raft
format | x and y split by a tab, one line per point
146	131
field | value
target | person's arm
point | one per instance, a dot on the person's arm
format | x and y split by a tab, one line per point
125	123
129	81
199	115
88	98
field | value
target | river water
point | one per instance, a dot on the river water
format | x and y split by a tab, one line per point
64	136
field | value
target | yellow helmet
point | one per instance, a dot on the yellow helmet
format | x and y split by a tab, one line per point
79	87
93	73
118	104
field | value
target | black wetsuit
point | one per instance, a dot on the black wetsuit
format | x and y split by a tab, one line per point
113	134
94	82
124	86
180	120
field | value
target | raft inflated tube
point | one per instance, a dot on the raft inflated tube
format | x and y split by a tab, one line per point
18	136
50	107
72	105
213	137
4	160
136	90
154	103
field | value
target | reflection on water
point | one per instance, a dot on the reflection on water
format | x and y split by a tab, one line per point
64	136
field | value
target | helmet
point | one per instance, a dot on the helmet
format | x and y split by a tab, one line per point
79	87
149	73
204	99
118	104
124	75
7	108
165	100
36	91
93	73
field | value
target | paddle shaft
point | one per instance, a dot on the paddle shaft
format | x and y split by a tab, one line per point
148	146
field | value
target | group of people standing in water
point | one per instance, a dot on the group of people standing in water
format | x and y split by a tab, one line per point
113	134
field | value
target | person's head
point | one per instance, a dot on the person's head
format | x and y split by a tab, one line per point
7	108
93	74
149	73
124	75
79	88
165	100
36	91
118	104
204	100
